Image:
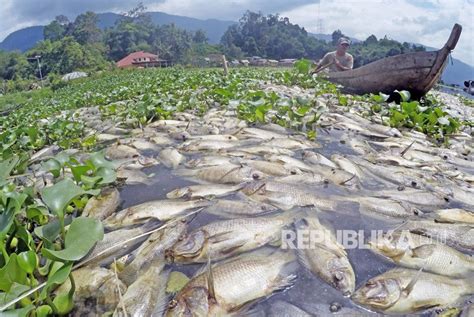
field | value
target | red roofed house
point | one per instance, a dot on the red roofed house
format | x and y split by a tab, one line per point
142	59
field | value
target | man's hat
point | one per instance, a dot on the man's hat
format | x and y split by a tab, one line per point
344	40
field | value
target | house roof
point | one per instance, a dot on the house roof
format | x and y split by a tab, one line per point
128	60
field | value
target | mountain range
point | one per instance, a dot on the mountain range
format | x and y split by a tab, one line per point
455	73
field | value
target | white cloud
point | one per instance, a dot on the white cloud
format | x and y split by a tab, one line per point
426	22
402	20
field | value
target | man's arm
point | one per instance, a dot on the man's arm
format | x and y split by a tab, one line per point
323	62
350	64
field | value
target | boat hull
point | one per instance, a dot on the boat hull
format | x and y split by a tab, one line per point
416	72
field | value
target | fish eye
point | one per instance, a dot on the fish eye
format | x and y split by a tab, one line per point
338	276
172	304
182	237
370	284
255	176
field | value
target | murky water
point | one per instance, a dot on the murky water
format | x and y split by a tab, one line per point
309	292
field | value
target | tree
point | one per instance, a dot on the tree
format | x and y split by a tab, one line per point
371	40
85	30
270	36
54	31
335	36
200	37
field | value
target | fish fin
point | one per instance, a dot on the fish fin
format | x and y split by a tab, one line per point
232	249
423	251
407	148
162	300
219	237
283	282
210	281
303	259
409	288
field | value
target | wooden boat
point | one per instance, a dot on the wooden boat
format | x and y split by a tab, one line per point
416	72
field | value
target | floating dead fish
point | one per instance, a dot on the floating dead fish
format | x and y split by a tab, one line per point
405	291
227	287
102	206
327	258
416	252
162	210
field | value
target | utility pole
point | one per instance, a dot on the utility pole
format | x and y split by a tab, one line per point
37	58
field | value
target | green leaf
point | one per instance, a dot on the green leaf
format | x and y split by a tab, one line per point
97	160
11	273
20	312
79	170
28	261
50	231
57	278
404	94
176	282
44	311
15	291
60	195
108	175
6	167
52	166
82	235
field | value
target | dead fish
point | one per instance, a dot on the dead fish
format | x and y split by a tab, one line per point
286	196
163	125
256	133
455	235
105	137
266	149
271	168
179	135
232	208
161	139
104	205
144	145
97	284
111	247
133	176
162	210
222	239
349	166
203	191
206	161
215	137
413	196
316	158
146	296
44	153
152	251
454	215
405	291
119	151
227	287
223	174
416	252
171	158
305	178
205	145
291	144
326	257
379	207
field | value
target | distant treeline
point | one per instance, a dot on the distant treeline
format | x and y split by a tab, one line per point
81	45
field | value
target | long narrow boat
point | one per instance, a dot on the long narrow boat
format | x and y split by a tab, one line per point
416	72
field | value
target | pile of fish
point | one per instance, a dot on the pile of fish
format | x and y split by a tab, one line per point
249	186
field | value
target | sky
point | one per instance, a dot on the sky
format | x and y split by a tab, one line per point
427	22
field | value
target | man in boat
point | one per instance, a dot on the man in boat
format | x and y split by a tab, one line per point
336	61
